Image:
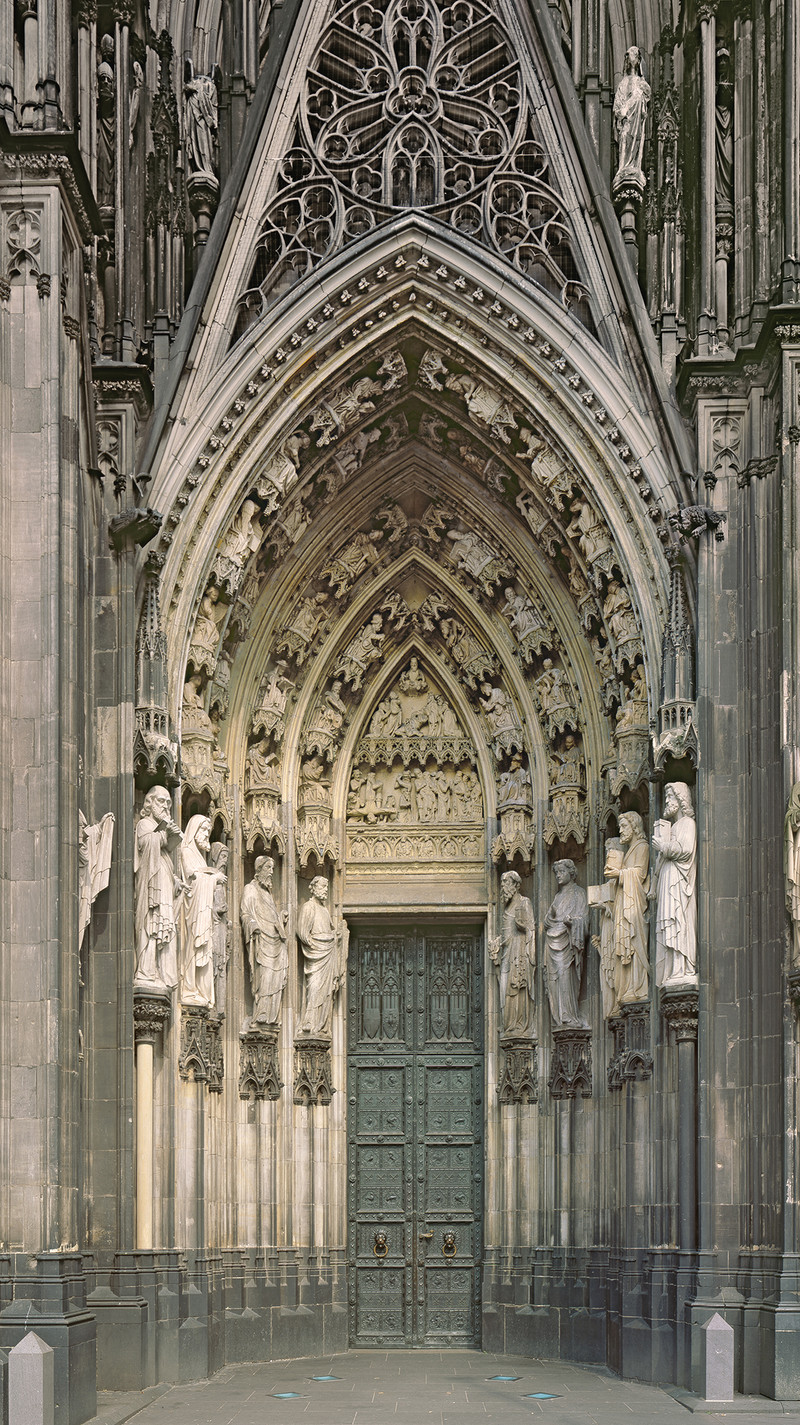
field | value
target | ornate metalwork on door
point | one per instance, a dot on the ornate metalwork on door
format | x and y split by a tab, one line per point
415	1083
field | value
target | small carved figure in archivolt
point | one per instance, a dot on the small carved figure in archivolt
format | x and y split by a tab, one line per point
329	715
504	724
300	632
386	718
555	698
269	716
432	371
205	635
486	407
477	559
350	562
513	953
365	649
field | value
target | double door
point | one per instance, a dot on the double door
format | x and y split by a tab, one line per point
415	1126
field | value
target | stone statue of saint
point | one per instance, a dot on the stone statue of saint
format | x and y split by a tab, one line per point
202	107
675	845
514	955
324	951
106	122
94	864
566	927
631	103
221	929
197	914
629	913
264	931
791	866
155	838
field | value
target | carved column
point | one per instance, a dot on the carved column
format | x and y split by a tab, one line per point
706	323
151	1013
680	1010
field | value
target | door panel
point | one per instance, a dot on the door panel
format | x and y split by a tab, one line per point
415	1081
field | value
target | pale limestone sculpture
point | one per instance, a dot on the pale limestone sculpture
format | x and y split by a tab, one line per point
514	954
264	932
197	914
324	953
631	105
221	929
629	911
602	898
202	106
791	866
155	838
364	649
675	845
94	862
566	928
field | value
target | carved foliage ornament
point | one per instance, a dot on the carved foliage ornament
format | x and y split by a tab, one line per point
415	104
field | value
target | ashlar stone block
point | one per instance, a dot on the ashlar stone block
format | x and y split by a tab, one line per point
31	1382
712	1377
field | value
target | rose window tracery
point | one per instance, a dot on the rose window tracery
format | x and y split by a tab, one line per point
415	104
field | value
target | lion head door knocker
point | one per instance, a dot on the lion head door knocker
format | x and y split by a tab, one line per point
449	1245
380	1247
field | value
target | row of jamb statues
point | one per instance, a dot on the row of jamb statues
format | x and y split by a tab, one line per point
624	902
183	931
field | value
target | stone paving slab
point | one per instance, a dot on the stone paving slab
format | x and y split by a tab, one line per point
447	1387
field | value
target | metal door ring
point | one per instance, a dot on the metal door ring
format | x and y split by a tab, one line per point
381	1246
449	1244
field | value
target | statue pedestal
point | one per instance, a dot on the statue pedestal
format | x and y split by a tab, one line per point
632	1058
259	1075
519	1080
313	1071
571	1068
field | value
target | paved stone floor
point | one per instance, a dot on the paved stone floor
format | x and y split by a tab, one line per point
449	1387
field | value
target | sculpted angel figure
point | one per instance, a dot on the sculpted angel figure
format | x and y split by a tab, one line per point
205	634
244	536
301	630
513	953
504	724
364	649
94	865
631	105
155	838
587	527
675	845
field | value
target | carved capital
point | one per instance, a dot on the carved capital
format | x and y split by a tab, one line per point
214	1053
632	1059
571	1068
519	1080
151	1013
259	1075
313	1075
680	1008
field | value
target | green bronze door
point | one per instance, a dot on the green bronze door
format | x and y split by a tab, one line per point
415	1123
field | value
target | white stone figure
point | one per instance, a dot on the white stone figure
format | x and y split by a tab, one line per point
631	882
244	535
566	926
194	717
631	104
94	862
202	108
791	867
413	680
602	898
260	773
155	838
514	954
514	786
386	718
364	650
618	613
106	121
300	632
197	914
205	634
221	930
264	932
502	719
675	845
324	950
137	84
587	527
